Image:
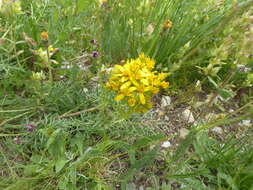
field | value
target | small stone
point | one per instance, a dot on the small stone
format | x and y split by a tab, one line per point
245	123
141	187
217	130
183	132
62	77
166	144
166	101
231	110
188	116
17	140
85	90
166	118
65	66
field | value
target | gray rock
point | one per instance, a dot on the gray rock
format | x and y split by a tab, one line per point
166	118
245	123
166	101
166	144
217	130
188	116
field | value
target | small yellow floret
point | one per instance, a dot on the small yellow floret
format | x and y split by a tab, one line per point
44	35
167	25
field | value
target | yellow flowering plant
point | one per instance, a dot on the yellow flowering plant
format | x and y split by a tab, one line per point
45	55
136	82
38	76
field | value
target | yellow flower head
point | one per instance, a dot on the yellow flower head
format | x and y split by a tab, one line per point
44	35
136	83
167	25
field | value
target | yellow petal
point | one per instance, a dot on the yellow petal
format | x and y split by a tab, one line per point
107	85
164	84
119	97
131	89
123	79
119	68
51	48
149	105
142	98
162	76
145	81
154	90
125	85
142	56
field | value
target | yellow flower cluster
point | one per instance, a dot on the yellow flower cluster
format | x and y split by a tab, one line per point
136	83
43	53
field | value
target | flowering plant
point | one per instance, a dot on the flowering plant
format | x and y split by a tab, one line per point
136	83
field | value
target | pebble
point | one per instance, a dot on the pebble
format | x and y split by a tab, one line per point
166	144
217	130
188	116
166	118
245	123
166	101
85	90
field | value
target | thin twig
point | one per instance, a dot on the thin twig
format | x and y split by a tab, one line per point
78	113
8	120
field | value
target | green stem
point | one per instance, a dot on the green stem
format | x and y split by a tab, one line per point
49	67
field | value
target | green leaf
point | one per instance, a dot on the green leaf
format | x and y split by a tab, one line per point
78	140
229	180
82	5
56	144
213	82
31	170
59	164
226	94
